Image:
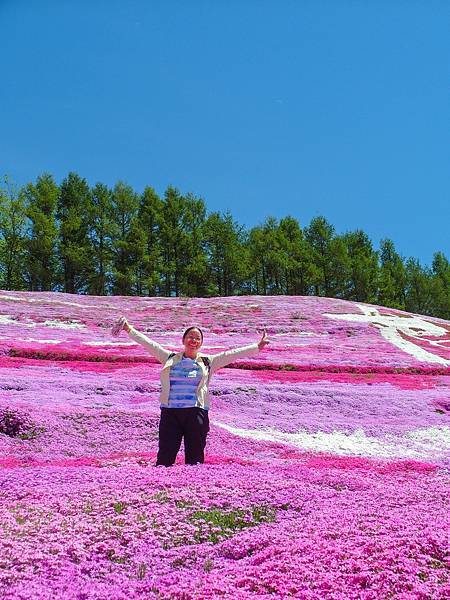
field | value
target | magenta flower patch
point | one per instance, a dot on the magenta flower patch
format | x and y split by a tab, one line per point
326	471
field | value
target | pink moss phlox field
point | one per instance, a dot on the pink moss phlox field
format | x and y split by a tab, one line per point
327	464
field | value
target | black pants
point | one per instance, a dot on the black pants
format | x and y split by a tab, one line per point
176	423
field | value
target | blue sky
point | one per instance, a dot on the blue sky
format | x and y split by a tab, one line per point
334	108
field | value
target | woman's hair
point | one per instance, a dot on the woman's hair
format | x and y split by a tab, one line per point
190	329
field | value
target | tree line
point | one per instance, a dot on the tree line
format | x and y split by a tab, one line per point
96	240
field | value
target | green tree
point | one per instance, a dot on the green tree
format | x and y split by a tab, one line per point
392	277
281	258
147	244
339	268
184	259
41	257
227	256
363	271
101	231
330	258
193	263
257	250
267	257
172	241
419	289
275	259
12	236
73	212
441	285
297	264
125	203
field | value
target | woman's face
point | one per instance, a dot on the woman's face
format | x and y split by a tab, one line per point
193	339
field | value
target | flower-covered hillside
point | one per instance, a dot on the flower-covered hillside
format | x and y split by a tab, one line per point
326	470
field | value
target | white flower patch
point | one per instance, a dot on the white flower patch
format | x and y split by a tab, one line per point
392	326
40	341
299	334
438	437
109	344
8	320
18	299
62	324
48	301
335	443
420	443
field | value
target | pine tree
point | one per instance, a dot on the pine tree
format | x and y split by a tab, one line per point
259	267
275	259
193	274
227	255
148	243
100	233
73	212
363	272
297	258
419	291
392	277
184	260
266	258
330	259
41	243
171	240
12	236
441	285
125	204
319	235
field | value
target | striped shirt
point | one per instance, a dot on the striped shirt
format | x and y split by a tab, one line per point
185	377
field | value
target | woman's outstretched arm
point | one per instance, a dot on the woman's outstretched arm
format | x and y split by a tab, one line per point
153	347
225	358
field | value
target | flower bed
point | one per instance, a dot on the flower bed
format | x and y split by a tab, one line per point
327	463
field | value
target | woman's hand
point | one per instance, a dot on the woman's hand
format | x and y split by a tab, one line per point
264	340
122	323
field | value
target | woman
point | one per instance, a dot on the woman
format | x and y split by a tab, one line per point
184	400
